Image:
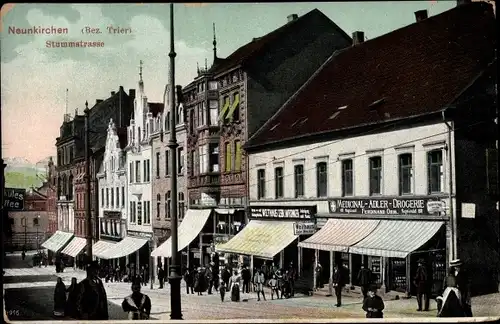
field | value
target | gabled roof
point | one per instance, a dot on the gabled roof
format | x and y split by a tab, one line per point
155	108
258	45
416	70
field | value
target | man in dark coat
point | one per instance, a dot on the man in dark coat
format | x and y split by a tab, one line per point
189	278
209	279
161	276
339	281
373	304
421	281
226	275
92	302
365	276
246	276
292	277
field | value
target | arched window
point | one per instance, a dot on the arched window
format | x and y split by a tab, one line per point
181	205
158	205
181	115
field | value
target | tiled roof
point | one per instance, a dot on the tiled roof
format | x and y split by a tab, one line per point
155	108
415	70
258	45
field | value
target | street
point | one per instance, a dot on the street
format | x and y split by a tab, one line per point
26	286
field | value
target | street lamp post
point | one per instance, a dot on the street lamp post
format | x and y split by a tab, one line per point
87	181
174	278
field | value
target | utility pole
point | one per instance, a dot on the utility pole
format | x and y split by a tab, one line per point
175	278
88	214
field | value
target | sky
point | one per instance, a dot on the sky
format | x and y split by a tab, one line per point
34	78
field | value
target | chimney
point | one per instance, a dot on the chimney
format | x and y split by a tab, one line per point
98	101
131	93
462	2
113	93
358	37
292	17
121	88
420	15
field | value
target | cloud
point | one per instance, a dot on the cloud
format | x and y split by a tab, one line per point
35	81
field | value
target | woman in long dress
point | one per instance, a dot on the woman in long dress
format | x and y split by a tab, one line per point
71	309
234	283
59	298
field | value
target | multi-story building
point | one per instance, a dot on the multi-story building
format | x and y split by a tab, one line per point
51	193
227	103
394	164
112	183
162	168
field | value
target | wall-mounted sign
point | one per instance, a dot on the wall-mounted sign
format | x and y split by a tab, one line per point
285	212
13	199
112	214
386	206
468	210
304	228
140	234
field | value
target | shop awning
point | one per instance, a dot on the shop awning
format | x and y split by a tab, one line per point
263	239
189	229
75	246
57	241
123	248
101	246
224	211
396	238
339	234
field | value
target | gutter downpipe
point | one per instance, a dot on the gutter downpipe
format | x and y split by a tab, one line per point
453	223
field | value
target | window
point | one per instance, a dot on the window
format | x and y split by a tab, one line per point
117	197
191	121
191	163
131	172
157	165
347	178
132	209
229	157
112	197
147	212
145	170
212	85
214	111
375	175
203	113
148	170
139	135
123	197
167	121
237	156
278	182
158	203
180	161
234	113
298	174
435	171
107	197
321	179
35	221
181	205
214	157
261	183
167	163
167	204
139	213
203	158
137	171
405	174
224	109
102	197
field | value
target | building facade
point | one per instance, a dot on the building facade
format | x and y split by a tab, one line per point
51	194
406	179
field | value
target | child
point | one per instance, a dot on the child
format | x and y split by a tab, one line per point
373	304
222	290
273	283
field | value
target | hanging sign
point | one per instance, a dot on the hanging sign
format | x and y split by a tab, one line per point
304	228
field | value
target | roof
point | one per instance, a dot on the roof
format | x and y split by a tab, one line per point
256	47
155	108
413	71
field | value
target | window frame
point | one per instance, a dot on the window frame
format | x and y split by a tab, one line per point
320	190
279	176
401	169
298	180
375	175
350	172
261	183
430	165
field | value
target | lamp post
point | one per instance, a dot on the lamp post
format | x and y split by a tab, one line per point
174	278
87	182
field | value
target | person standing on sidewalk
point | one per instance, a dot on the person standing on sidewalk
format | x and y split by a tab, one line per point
59	298
222	290
421	281
373	304
365	276
339	281
246	276
137	305
463	282
161	276
318	273
92	302
258	282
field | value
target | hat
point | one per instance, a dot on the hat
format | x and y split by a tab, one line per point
373	288
455	263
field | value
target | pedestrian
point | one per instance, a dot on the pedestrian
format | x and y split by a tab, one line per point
463	283
189	278
292	276
421	282
143	275
226	275
23	255
281	284
92	301
209	279
258	282
222	290
365	276
71	308
234	283
59	298
137	305
161	276
373	304
339	281
318	272
246	276
199	283
273	284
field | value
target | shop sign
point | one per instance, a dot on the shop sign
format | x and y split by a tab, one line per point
301	212
304	228
386	206
13	199
140	234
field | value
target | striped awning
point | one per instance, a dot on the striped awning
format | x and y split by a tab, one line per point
123	248
101	246
75	246
189	229
263	239
396	238
339	234
57	241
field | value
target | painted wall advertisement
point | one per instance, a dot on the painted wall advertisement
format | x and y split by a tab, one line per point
14	199
386	206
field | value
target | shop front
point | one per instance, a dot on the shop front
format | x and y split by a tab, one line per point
112	230
74	248
388	235
271	235
57	242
